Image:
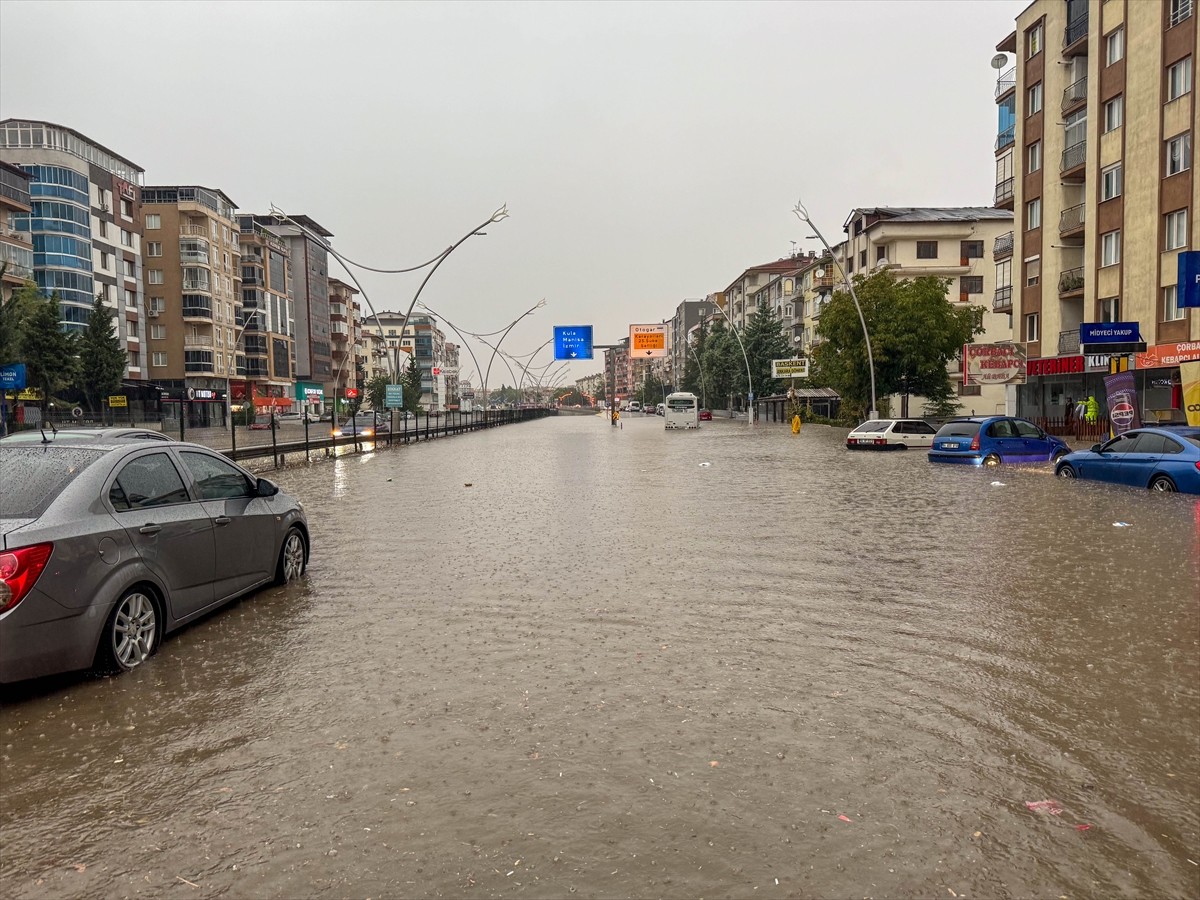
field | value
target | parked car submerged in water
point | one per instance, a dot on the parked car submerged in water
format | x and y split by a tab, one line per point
1166	460
891	434
105	547
995	440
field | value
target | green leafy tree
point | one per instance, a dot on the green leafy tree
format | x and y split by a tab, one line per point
765	341
14	315
915	332
721	361
411	379
101	359
376	391
693	375
47	351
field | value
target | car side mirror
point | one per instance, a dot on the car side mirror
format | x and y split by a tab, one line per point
1095	448
266	488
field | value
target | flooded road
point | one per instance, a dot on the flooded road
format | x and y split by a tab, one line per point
560	658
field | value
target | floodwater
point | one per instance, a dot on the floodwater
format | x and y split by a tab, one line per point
560	658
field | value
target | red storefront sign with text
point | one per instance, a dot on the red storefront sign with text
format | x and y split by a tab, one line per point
1054	365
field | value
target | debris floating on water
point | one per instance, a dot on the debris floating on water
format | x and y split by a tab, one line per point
1048	806
999	484
1121	524
703	464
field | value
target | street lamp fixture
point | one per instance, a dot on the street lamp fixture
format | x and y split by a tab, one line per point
802	214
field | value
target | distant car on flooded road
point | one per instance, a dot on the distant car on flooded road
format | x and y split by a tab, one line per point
105	547
993	440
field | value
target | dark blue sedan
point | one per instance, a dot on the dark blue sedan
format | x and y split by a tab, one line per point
1161	459
992	440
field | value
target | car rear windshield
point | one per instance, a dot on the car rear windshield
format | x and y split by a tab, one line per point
871	426
33	476
959	429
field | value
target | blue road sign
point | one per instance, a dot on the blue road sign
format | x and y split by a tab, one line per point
572	341
1189	278
393	396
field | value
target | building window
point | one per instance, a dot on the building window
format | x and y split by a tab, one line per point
971	284
103	229
131	298
1110	248
158	359
153	248
1110	309
1114	46
1111	181
1179	79
1033	41
971	249
1034	103
127	209
158	332
128	269
105	261
880	252
1004	274
1033	214
1180	10
154	276
1033	271
1179	153
157	304
153	222
1171	308
1035	157
1031	327
126	238
849	265
1114	113
927	249
1176	230
133	328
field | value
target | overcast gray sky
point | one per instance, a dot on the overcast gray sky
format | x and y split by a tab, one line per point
648	152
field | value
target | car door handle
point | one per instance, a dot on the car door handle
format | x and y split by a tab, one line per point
222	520
150	528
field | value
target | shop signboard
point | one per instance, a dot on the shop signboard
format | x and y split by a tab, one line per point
1054	365
1189	278
1168	355
1122	402
1001	363
12	377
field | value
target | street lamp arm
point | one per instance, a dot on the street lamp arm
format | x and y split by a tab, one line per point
478	371
802	214
496	349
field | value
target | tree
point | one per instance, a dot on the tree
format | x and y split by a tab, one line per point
13	318
376	391
765	341
411	379
914	331
101	359
47	350
693	375
721	362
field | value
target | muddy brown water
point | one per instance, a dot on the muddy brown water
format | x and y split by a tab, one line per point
629	663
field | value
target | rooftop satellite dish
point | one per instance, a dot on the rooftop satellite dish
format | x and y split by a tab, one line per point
999	61
882	262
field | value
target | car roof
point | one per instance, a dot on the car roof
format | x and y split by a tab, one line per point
1176	430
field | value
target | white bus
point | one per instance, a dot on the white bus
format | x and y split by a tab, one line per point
683	411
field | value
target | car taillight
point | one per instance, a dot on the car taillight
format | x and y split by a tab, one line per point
19	571
880	442
975	441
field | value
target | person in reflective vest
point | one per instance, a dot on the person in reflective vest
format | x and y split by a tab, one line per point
1093	411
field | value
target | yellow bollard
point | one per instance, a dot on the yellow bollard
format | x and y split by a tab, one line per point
796	423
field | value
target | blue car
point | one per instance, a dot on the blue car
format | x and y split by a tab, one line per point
1161	459
992	440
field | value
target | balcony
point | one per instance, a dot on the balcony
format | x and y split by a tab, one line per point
1068	343
193	257
197	308
825	281
16	273
197	340
1004	193
1074	160
1070	222
256	345
197	284
1070	282
1075	95
1006	82
1003	247
1006	137
1180	10
253	278
253	368
197	361
193	231
1002	301
1075	37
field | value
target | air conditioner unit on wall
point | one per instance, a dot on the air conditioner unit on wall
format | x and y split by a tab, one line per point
153	313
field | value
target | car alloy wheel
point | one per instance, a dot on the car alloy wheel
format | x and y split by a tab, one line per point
133	631
991	460
1163	485
1065	472
291	558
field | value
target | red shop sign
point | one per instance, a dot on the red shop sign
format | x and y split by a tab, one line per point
1054	365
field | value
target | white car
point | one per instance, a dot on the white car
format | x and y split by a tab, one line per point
891	434
297	417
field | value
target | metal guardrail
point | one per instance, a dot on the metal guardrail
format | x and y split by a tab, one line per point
1003	244
1075	93
1006	137
1074	156
1068	342
1002	298
1006	82
1071	280
1004	190
1180	13
1071	218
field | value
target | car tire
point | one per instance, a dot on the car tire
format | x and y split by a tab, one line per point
1059	454
991	460
293	557
1162	484
1065	472
131	634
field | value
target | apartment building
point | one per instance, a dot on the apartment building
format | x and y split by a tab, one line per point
83	226
16	247
1094	153
192	282
617	372
783	294
421	337
740	293
945	242
306	240
342	302
688	316
450	374
265	358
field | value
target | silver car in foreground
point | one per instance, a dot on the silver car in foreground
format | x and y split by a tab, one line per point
105	547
